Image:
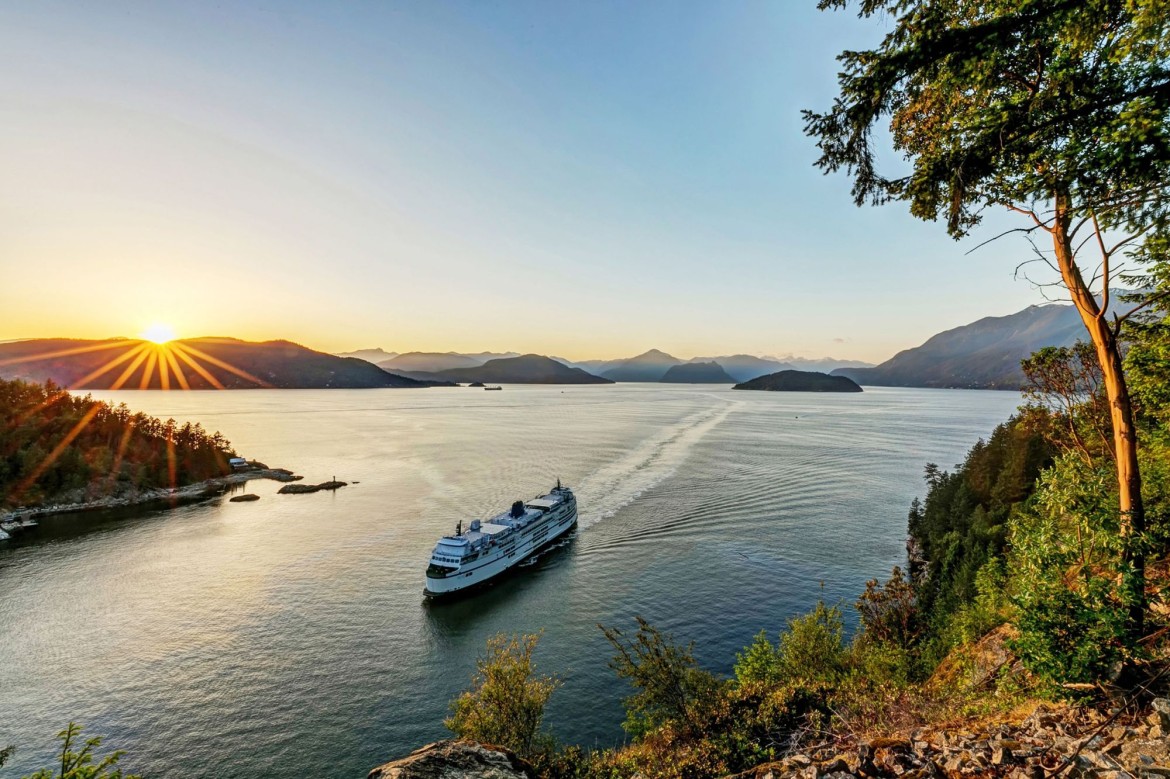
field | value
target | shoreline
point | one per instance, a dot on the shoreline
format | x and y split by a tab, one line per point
201	489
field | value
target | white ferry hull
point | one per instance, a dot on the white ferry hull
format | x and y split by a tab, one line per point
483	570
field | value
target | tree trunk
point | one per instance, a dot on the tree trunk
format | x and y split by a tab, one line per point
1129	480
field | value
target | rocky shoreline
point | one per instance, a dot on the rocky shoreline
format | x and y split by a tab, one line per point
1053	740
184	494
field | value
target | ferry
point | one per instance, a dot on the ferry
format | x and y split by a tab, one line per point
487	549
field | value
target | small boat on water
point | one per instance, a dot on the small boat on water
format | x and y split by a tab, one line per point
489	548
493	388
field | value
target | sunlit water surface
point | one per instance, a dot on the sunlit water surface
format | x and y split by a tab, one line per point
288	637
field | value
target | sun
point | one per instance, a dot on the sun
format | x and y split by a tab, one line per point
159	333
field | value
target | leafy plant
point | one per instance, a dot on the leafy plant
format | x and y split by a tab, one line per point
83	763
671	688
1069	571
505	704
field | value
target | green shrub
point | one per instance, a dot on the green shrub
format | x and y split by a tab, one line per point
812	649
81	764
505	705
1069	585
671	688
758	663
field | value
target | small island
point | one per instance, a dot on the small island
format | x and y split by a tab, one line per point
800	381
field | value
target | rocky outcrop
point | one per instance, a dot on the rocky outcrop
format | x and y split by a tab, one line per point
456	760
304	489
75	502
1053	740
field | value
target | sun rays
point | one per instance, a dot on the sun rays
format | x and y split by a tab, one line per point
148	364
157	362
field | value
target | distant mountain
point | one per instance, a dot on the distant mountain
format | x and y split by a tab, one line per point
648	366
800	381
596	367
428	362
369	355
697	373
195	363
483	357
743	367
525	369
982	355
822	365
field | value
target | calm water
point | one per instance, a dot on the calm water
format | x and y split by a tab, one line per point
288	637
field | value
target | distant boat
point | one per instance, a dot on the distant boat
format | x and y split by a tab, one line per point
493	388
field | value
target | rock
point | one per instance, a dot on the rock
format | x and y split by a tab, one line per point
838	766
304	489
297	489
1161	707
243	498
456	760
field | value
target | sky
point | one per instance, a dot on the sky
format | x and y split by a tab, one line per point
586	179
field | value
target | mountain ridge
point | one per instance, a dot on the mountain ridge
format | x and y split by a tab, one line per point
209	362
984	354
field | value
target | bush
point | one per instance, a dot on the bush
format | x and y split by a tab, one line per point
671	688
1069	579
505	705
812	649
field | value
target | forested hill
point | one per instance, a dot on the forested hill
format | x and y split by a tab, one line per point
193	363
56	447
525	369
985	354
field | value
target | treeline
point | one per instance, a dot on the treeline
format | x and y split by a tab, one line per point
58	446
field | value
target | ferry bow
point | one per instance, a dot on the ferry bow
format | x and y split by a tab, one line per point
487	549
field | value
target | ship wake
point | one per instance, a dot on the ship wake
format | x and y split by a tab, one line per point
656	459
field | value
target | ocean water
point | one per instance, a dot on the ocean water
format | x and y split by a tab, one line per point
288	637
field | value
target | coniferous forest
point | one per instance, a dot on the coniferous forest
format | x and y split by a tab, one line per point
58	447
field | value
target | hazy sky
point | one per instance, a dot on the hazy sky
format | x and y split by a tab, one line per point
588	179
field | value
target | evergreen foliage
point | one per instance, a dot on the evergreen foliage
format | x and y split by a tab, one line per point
1058	110
82	763
53	444
963	524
